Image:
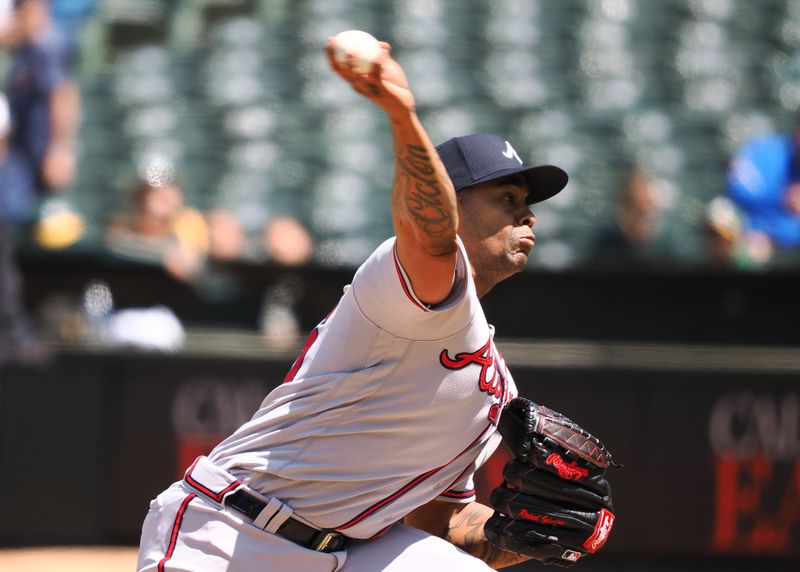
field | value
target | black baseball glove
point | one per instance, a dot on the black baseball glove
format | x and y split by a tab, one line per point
555	504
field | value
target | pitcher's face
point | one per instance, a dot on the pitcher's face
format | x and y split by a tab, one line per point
495	225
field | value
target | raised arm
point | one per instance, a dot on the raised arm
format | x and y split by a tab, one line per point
423	199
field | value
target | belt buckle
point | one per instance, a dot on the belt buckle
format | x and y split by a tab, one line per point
324	540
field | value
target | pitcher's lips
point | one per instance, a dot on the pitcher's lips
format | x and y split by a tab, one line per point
527	241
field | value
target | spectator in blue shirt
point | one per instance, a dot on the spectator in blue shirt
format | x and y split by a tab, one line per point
43	96
764	181
37	151
17	340
17	191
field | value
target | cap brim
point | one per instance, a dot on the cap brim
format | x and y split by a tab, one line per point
544	181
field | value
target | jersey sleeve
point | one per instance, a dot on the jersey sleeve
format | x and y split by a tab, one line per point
462	491
386	297
512	388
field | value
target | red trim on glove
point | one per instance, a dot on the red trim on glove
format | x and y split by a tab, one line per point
601	531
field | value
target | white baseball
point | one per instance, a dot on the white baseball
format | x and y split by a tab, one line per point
363	47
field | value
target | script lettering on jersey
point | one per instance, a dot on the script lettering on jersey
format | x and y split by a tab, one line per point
490	380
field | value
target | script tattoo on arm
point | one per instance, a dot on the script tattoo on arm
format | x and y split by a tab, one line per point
419	192
466	532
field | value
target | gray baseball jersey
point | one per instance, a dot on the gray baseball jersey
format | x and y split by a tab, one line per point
391	404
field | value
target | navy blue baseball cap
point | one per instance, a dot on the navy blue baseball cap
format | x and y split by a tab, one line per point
481	157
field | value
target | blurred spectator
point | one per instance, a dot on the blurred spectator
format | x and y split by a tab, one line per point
44	98
17	192
160	227
722	234
6	11
17	340
18	343
287	242
69	17
6	23
227	239
633	241
216	281
279	324
764	181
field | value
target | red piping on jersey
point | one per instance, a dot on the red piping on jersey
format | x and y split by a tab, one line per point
173	537
406	289
458	478
458	494
205	490
381	532
312	337
397	494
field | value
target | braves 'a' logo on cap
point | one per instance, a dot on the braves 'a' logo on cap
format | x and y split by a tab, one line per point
511	152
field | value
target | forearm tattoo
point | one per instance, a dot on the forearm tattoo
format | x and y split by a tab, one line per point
466	532
421	194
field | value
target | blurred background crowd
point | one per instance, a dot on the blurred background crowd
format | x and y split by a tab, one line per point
188	134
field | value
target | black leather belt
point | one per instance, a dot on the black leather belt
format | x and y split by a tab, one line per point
294	530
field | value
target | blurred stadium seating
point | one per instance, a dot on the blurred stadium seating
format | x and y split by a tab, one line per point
237	93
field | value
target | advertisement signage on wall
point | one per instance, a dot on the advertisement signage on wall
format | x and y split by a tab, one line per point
754	439
715	455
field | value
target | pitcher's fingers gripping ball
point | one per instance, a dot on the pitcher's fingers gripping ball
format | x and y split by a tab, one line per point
358	50
366	64
555	504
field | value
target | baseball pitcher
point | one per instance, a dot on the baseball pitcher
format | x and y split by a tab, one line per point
364	458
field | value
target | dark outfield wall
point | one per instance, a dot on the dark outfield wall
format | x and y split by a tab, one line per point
712	457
